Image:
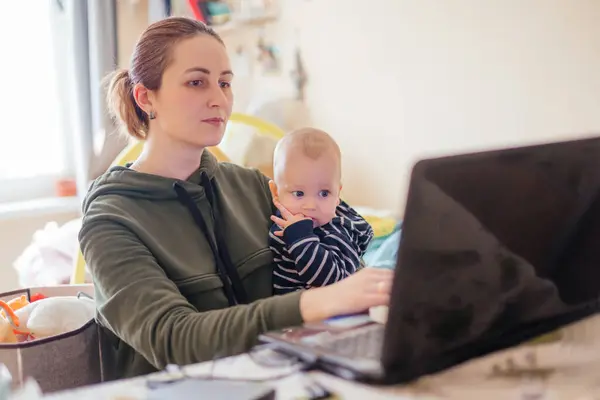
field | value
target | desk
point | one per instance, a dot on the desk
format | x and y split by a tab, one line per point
289	387
569	369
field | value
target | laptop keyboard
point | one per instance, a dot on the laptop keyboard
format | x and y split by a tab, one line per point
359	343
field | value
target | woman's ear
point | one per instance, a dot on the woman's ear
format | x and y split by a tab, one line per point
273	189
143	98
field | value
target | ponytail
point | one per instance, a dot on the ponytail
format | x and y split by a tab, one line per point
123	107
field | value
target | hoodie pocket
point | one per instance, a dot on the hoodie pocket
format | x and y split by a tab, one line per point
256	273
205	292
198	284
262	258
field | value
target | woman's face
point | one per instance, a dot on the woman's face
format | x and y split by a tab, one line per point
195	99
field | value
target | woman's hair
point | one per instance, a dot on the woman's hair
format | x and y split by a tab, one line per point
150	58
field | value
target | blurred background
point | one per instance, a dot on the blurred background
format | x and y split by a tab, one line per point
392	80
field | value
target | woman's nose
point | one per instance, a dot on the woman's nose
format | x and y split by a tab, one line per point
217	98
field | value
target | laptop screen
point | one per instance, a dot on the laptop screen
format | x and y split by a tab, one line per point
497	247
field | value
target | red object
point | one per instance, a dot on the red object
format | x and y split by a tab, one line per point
198	14
66	188
36	297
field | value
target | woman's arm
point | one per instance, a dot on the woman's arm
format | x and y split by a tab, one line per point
143	307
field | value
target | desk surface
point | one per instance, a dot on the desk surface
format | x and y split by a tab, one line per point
569	369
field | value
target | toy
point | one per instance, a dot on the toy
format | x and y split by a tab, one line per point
9	322
18	302
22	320
55	315
37	296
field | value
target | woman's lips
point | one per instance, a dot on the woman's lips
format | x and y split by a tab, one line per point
214	121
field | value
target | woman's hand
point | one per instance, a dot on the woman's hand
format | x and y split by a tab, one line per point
367	288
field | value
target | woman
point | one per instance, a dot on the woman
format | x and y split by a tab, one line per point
177	243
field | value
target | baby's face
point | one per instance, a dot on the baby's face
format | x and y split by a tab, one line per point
310	187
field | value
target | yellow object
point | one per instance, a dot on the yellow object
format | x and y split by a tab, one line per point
262	126
382	226
133	150
17	303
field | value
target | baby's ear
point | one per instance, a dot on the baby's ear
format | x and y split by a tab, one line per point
339	199
273	189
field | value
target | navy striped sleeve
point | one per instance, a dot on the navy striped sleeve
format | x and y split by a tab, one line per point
310	257
285	277
318	264
356	227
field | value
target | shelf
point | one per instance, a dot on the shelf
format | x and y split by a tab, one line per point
245	22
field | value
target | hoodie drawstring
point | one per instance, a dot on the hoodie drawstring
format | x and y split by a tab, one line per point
232	283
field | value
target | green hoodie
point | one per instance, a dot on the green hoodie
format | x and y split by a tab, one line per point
158	293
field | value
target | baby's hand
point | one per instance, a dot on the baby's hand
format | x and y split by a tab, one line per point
287	218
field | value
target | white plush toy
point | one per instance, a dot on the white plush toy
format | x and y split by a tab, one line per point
55	315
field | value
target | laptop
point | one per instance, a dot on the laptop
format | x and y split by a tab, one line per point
498	247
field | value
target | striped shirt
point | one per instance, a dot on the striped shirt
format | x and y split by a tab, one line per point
308	257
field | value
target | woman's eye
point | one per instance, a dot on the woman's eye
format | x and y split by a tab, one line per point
324	193
298	193
225	85
196	82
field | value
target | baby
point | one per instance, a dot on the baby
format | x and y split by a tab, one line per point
317	238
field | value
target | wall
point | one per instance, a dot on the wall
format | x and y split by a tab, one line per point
132	19
402	79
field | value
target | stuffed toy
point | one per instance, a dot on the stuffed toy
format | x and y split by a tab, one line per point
55	315
9	322
18	302
22	320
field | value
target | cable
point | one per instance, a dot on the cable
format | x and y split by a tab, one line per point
270	359
276	360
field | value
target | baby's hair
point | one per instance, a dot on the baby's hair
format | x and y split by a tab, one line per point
311	142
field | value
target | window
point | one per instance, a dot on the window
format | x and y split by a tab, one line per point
34	138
